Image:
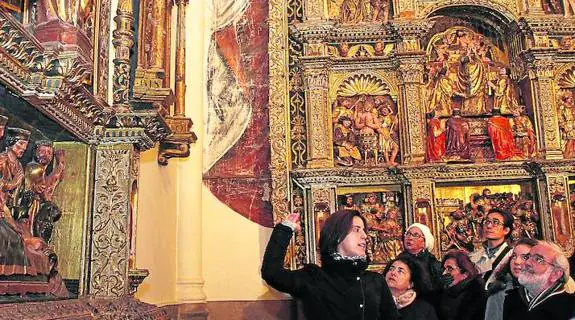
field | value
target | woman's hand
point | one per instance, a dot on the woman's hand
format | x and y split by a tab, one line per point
292	220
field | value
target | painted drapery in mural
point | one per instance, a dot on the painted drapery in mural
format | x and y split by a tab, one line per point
236	153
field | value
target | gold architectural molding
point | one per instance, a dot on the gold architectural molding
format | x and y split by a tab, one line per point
178	143
123	40
278	102
152	74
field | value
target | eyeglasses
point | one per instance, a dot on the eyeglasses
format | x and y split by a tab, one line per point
540	260
494	222
413	235
523	257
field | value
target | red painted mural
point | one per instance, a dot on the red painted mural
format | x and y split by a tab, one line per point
236	148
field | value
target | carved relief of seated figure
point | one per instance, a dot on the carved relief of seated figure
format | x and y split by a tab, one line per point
24	251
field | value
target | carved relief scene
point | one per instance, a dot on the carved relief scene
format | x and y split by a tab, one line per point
475	112
365	124
462	211
383	211
566	111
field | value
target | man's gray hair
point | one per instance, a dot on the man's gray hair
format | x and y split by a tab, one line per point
560	261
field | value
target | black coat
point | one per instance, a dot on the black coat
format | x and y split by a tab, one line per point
337	290
464	301
418	310
557	307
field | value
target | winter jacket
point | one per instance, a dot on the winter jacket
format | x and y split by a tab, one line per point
557	306
463	301
340	289
418	310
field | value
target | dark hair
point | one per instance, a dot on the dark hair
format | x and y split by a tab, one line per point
463	262
507	219
419	275
504	273
335	229
496	112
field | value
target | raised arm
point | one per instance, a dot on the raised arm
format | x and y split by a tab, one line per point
273	271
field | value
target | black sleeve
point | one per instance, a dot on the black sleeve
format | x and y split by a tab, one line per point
388	309
273	271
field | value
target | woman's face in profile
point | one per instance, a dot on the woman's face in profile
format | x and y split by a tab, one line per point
355	243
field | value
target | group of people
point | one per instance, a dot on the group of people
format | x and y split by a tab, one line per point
527	280
465	224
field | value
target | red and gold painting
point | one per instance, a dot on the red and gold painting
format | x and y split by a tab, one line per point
236	153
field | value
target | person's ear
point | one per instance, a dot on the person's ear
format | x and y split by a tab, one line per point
556	274
507	230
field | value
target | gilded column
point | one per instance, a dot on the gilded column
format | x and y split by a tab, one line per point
422	208
320	149
123	40
541	80
178	143
559	221
158	35
411	77
110	243
322	204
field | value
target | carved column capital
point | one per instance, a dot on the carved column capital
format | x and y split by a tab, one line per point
410	34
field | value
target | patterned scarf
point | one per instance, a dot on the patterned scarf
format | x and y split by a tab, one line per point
405	299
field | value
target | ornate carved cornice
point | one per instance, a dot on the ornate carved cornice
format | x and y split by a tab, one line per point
335	32
437	173
51	80
140	128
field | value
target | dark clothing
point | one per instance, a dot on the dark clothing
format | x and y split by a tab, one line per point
464	301
339	289
430	264
418	310
560	306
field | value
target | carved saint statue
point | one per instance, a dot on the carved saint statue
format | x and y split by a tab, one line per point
441	93
501	135
435	141
457	136
567	123
344	138
74	12
39	186
23	250
504	96
523	132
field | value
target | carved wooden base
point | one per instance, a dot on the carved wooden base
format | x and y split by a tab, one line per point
83	309
57	31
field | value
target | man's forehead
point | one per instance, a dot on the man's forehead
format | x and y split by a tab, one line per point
543	251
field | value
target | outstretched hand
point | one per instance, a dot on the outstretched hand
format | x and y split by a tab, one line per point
293	219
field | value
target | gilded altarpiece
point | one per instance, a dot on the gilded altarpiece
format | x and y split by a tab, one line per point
457	106
73	122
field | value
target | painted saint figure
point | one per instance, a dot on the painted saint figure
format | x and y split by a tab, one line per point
457	137
501	135
435	141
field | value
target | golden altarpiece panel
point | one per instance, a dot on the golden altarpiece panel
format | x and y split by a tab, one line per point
80	98
423	111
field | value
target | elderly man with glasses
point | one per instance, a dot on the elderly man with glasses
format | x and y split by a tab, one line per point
542	295
497	228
